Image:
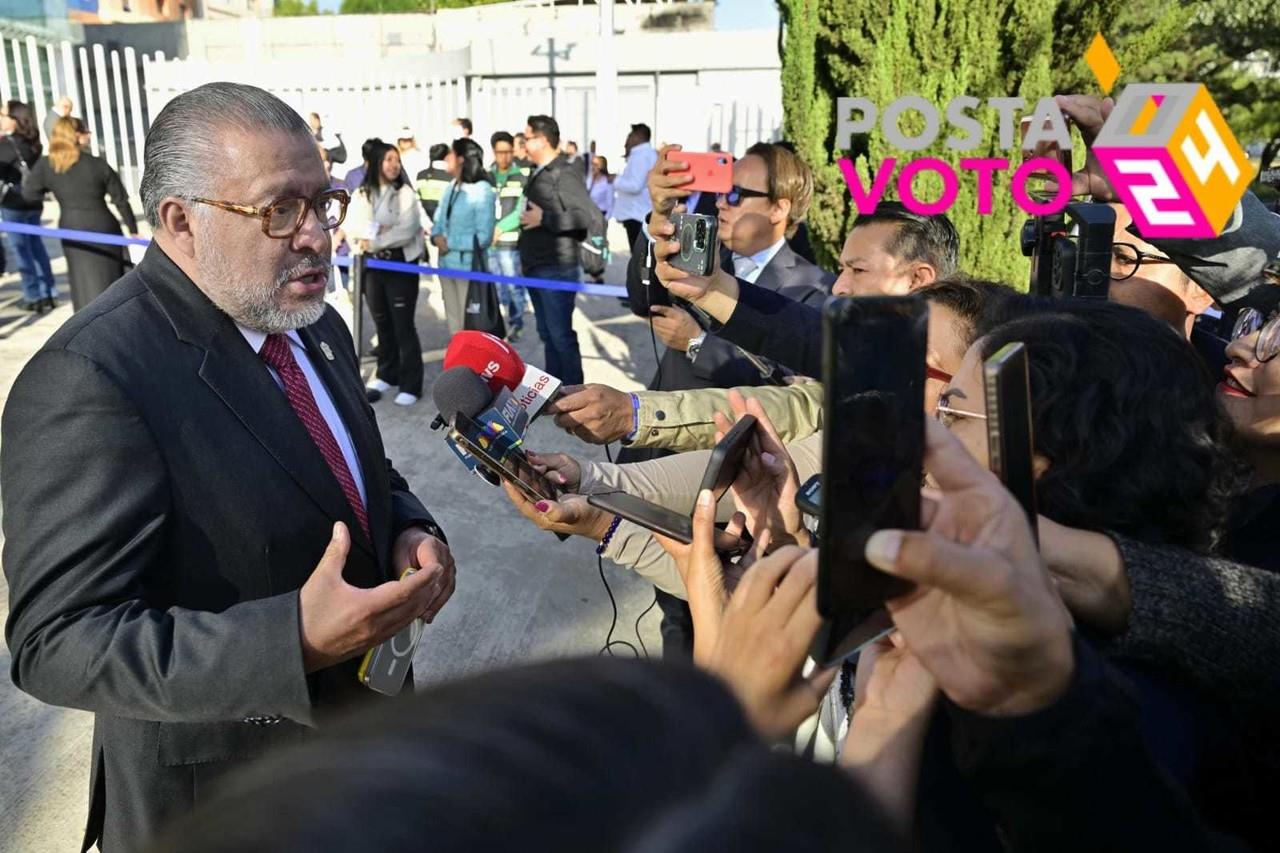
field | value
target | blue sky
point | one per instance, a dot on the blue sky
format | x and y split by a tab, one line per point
730	14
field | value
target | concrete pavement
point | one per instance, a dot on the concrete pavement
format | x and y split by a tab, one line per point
521	595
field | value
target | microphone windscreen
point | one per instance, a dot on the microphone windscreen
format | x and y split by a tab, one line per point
493	359
460	390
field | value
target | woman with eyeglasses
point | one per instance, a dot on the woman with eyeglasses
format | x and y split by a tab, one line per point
1250	393
81	183
385	220
20	149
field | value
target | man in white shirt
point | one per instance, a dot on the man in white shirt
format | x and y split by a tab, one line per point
630	189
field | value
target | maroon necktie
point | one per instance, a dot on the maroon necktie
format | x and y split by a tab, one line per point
279	354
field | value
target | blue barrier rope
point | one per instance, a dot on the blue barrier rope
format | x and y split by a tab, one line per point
373	264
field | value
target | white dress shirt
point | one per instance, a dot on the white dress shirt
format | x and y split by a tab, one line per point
323	401
760	259
631	188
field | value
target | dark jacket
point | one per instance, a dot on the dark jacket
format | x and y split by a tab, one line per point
720	364
1077	775
773	326
81	192
567	212
13	148
160	513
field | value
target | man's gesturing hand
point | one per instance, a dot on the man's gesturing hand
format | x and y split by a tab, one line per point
595	413
984	618
339	621
418	550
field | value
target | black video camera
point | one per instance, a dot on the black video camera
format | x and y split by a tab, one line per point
1071	251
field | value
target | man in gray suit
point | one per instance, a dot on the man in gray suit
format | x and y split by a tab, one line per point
203	533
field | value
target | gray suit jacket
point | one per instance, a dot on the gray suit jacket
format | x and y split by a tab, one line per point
163	504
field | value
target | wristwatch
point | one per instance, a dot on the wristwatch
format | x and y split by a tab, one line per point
695	346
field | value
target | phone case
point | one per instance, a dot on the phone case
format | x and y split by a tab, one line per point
726	457
712	170
385	666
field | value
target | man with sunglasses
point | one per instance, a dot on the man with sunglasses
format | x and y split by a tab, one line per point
203	533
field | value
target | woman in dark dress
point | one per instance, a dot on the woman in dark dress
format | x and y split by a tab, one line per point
80	182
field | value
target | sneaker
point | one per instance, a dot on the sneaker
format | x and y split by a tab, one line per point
514	334
378	385
404	398
372	396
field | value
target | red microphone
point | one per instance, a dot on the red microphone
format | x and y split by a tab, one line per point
491	358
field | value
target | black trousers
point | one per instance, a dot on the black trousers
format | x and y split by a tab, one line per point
677	627
633	230
392	298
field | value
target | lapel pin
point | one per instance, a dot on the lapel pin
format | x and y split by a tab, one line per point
324	348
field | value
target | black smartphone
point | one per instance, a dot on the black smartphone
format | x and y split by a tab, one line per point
699	236
722	468
648	515
873	457
1010	437
809	498
726	457
505	462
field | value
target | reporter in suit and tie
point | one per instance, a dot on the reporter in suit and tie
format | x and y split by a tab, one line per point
771	193
202	529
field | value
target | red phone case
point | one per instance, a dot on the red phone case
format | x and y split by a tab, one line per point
712	170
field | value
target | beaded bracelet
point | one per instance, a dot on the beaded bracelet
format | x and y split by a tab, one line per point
613	527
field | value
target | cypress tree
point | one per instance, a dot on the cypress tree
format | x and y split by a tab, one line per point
938	49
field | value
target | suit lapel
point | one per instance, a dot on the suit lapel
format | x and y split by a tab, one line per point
775	273
235	373
239	378
348	398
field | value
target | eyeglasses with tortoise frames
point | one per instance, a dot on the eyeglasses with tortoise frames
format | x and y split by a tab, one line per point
283	218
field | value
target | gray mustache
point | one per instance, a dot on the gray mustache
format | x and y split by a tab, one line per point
309	264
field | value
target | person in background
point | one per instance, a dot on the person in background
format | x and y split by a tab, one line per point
600	188
412	159
522	153
336	153
509	178
631	191
464	224
600	185
553	226
432	181
462	127
80	182
386	222
61	109
20	149
355	177
341	248
571	151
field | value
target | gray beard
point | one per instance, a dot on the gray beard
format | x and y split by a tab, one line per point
253	303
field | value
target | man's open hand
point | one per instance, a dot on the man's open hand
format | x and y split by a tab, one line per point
338	621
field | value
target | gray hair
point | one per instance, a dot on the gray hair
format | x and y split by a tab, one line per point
183	147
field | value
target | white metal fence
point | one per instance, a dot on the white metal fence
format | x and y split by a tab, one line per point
105	87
